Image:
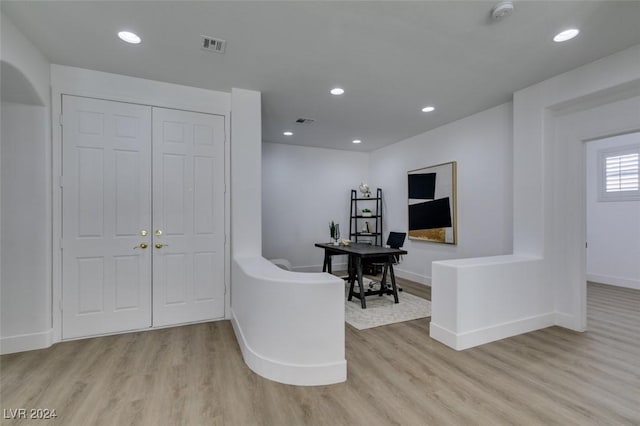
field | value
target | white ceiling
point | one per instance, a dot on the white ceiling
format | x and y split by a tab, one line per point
391	57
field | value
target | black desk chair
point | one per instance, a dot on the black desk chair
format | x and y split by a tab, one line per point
395	240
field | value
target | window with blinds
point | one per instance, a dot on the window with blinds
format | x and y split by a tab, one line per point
620	174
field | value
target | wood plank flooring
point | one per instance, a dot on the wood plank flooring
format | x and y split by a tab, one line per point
397	375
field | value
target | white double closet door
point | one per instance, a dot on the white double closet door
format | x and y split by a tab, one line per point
142	217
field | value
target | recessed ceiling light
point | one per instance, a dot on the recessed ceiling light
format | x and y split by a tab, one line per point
337	91
129	37
287	133
357	141
428	109
566	35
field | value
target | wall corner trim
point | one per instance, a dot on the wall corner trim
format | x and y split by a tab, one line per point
570	322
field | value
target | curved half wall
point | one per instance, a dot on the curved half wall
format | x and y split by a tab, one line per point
290	325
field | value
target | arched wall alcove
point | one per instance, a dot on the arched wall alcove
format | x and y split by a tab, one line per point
25	248
16	87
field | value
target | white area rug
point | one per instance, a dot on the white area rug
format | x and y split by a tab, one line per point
381	310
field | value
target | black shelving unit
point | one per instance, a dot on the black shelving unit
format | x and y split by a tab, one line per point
357	221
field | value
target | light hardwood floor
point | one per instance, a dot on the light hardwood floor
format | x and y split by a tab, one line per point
397	375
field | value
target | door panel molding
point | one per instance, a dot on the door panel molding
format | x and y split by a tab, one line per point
106	200
186	154
119	88
189	209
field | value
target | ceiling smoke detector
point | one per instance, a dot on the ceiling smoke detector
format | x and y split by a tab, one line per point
502	10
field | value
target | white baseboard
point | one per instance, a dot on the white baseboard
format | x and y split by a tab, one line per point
318	268
617	281
443	335
568	321
290	374
469	339
412	276
408	275
26	342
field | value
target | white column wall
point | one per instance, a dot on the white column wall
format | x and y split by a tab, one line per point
246	173
549	207
289	325
26	250
552	176
565	251
25	195
532	111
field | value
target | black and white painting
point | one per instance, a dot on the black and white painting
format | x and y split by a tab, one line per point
432	203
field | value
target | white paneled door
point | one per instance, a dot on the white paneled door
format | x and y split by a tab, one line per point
106	203
188	216
142	217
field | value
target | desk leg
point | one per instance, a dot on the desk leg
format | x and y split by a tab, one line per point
352	278
363	303
383	281
326	265
393	282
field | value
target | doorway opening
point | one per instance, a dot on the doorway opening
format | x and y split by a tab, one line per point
613	210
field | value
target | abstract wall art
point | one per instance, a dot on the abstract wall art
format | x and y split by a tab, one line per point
432	203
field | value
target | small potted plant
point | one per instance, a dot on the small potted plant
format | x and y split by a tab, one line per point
366	212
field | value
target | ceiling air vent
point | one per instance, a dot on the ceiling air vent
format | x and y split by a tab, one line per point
211	44
305	120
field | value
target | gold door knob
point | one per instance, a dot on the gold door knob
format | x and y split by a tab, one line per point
142	246
158	232
143	232
160	245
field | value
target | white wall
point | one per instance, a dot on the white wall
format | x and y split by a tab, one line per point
246	208
482	146
25	195
303	189
289	325
17	50
473	299
552	120
121	88
613	227
24	275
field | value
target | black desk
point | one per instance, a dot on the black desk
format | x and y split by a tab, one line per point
356	253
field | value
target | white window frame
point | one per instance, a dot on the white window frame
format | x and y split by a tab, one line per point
603	195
